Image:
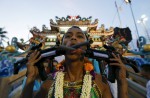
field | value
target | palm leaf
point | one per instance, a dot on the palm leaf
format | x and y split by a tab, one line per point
1	31
4	36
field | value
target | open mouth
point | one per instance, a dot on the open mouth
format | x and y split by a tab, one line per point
76	51
72	44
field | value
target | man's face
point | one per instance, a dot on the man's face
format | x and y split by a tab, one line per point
72	37
55	64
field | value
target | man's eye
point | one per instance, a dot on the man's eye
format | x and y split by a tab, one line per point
67	36
80	36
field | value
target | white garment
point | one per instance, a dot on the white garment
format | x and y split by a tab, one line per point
113	86
148	89
60	58
113	89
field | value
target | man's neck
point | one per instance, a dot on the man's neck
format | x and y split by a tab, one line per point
74	70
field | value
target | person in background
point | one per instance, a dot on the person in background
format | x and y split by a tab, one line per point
145	72
50	65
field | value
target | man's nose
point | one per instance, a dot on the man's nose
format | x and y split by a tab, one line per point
73	38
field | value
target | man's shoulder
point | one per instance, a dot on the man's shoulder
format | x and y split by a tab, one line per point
100	77
101	82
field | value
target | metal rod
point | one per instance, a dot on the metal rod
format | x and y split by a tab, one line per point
137	88
134	19
118	14
146	31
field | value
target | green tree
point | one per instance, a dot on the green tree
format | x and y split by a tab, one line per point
2	36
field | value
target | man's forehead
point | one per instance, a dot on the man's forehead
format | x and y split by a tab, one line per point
74	29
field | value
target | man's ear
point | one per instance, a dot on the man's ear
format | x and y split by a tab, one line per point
58	42
61	42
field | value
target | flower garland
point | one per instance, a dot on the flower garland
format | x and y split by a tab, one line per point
87	80
59	85
86	87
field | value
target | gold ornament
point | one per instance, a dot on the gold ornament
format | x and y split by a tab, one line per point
10	48
146	47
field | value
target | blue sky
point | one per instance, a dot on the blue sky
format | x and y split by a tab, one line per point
18	16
